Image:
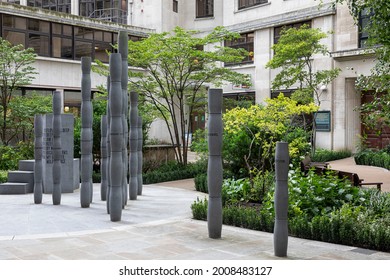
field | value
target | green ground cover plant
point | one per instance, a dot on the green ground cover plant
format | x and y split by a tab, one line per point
322	208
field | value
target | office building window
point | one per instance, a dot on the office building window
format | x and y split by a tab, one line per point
52	5
175	6
242	4
278	30
246	42
364	20
204	8
58	40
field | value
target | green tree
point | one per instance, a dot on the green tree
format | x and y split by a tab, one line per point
22	110
15	71
376	114
250	134
294	57
179	65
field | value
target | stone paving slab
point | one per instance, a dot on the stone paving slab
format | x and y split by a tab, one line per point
157	226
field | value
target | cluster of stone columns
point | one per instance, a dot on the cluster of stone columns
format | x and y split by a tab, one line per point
116	136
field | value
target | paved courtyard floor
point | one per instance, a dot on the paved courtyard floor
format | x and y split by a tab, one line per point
156	226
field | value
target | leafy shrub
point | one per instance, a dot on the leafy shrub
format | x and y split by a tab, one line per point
201	183
10	155
318	194
3	176
322	155
199	209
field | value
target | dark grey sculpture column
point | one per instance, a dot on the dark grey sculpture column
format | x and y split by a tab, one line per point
108	145
133	138
86	134
116	138
38	150
103	160
57	150
123	46
139	153
281	199
214	169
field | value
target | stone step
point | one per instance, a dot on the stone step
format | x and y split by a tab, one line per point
22	177
13	188
26	165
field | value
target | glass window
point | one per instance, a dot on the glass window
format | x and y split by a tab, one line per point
246	42
278	30
242	4
15	38
52	5
62	48
38	25
14	22
175	6
204	8
364	20
82	49
40	43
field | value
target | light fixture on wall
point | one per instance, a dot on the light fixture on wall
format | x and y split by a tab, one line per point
66	109
323	88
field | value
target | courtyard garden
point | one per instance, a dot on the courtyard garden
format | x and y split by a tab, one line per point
321	207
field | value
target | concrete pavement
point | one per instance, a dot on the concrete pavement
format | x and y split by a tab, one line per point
157	225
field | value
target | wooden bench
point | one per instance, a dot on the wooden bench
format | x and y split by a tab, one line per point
356	181
307	164
352	177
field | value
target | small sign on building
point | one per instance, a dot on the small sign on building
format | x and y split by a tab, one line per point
322	120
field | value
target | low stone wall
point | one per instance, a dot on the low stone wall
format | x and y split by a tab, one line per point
156	155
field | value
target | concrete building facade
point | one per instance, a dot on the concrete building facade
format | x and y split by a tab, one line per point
258	21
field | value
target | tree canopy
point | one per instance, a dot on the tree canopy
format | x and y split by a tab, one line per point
15	71
294	57
174	70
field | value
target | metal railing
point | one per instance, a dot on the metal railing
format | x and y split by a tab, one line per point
111	14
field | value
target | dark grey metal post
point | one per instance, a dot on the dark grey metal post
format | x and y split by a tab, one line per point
38	149
214	170
103	160
57	150
139	153
86	189
116	138
281	199
123	46
133	137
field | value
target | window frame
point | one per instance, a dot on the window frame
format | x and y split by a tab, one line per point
175	6
204	9
288	26
243	4
362	33
248	45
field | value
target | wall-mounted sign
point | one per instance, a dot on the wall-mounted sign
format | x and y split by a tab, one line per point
322	119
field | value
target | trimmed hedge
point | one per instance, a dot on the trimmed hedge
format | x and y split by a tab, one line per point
322	155
349	225
373	158
174	171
